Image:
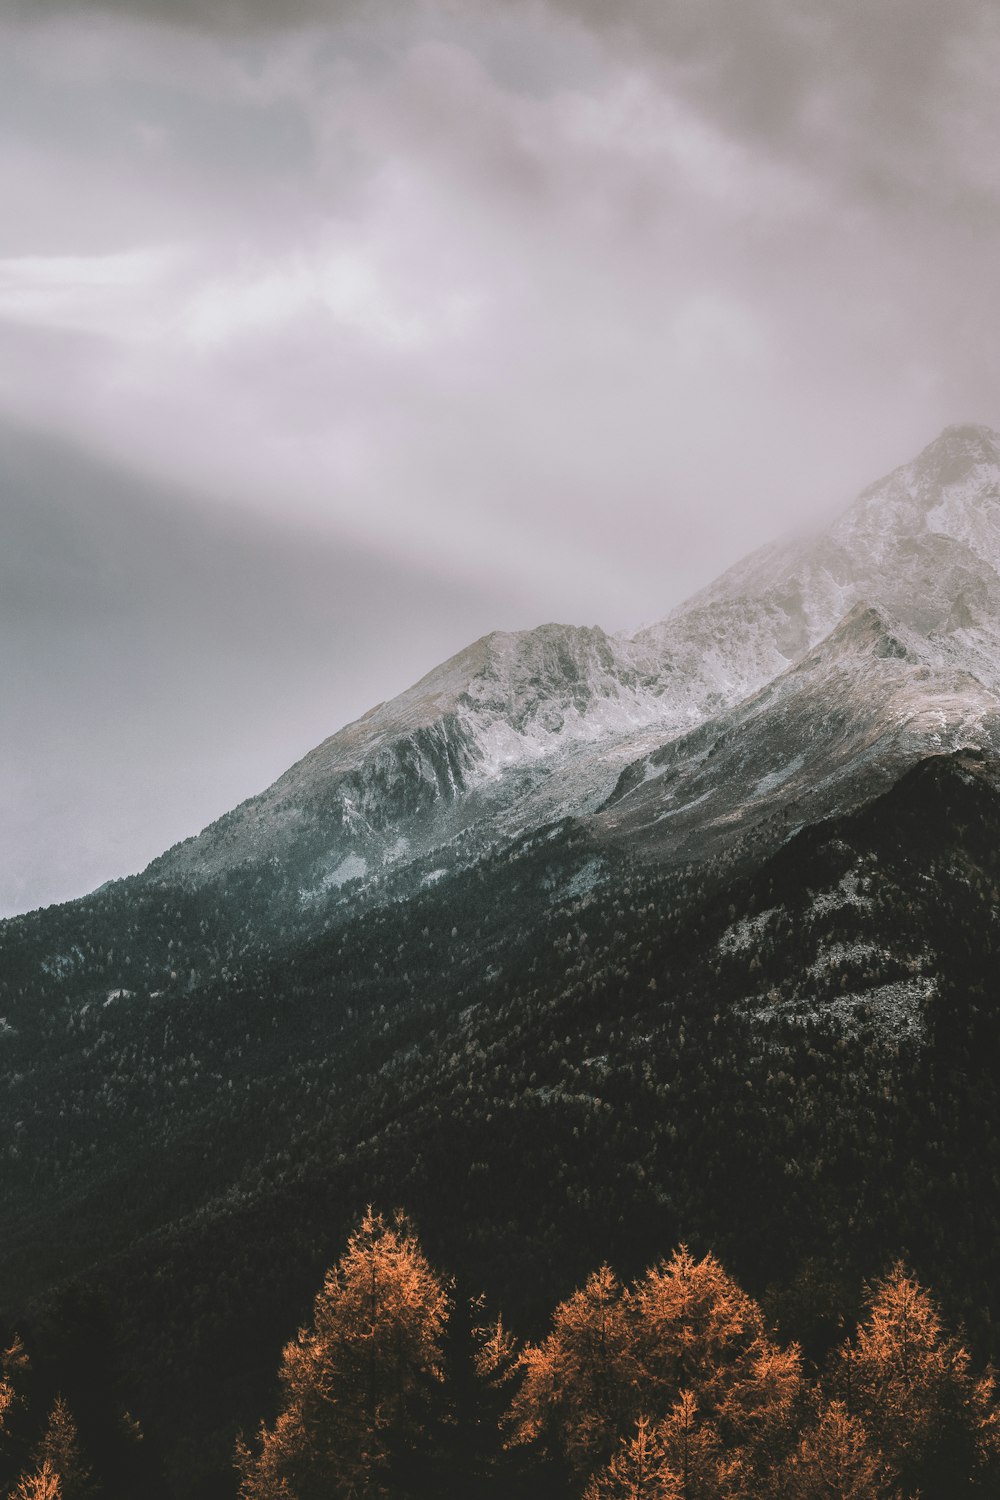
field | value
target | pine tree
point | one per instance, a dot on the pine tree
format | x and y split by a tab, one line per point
911	1384
578	1387
60	1451
358	1385
835	1460
495	1353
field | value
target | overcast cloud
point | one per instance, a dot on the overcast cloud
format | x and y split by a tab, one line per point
513	312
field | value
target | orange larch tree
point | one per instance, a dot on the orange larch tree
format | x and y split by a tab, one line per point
698	1332
912	1385
686	1353
359	1383
578	1388
41	1484
59	1450
834	1459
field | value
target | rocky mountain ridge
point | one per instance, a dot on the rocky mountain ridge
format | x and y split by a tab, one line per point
520	729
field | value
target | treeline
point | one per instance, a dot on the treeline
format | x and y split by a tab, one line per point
673	1387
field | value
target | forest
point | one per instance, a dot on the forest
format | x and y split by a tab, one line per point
789	1066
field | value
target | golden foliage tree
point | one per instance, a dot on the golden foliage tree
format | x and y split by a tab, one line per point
494	1364
835	1460
59	1452
42	1484
636	1470
680	1457
13	1368
912	1385
698	1329
496	1351
686	1350
15	1426
699	1334
357	1384
577	1390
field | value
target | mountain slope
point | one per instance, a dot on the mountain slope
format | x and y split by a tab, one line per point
481	727
777	1066
832	732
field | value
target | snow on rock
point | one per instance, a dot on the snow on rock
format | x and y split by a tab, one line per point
848	892
747	932
894	1011
834	955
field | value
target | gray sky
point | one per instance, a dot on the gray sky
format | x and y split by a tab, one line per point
335	334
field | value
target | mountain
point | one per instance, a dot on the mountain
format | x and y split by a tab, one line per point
583	946
519	730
